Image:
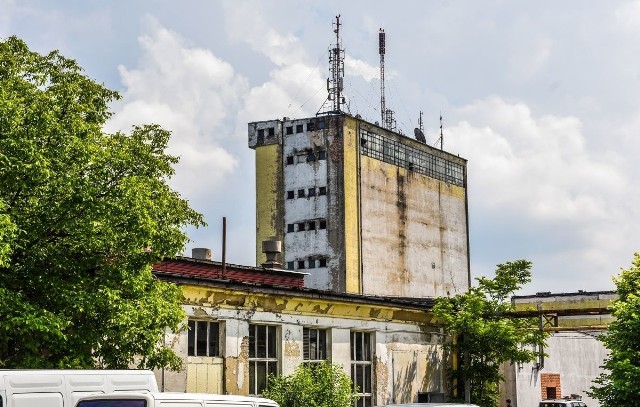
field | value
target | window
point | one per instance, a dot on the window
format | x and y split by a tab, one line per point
301	158
323	224
312	192
310	156
322	262
263	356
261	133
290	195
312	226
289	130
290	265
322	155
300	264
291	228
203	338
322	191
311	126
299	128
301	227
290	160
314	344
361	367
312	263
301	193
271	131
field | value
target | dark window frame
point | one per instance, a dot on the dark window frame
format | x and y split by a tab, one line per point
210	346
263	356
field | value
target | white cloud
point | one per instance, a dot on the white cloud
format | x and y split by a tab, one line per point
357	67
190	92
536	175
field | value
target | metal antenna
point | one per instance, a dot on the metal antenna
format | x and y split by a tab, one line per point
441	135
420	125
381	49
336	62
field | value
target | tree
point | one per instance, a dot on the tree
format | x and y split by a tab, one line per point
83	216
312	385
486	333
618	385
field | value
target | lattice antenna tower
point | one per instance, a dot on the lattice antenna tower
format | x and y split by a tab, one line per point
336	67
386	115
381	49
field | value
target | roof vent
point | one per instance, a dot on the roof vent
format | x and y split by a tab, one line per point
272	248
201	253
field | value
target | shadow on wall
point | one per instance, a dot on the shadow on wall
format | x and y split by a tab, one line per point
411	366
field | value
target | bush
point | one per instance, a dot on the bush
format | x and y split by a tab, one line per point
312	385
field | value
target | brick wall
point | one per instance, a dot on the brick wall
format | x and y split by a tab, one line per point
549	381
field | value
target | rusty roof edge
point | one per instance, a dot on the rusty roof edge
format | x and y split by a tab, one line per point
230	265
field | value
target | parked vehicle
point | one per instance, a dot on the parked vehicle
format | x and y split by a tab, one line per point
173	400
570	401
431	405
63	388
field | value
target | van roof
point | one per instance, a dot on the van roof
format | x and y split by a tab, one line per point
182	396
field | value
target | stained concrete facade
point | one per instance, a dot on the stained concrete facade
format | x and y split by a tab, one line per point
360	208
574	353
407	351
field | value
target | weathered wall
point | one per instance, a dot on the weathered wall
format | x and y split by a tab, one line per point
407	348
575	356
414	232
269	182
353	283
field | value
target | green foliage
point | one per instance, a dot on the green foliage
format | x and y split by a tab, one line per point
486	335
618	385
83	215
312	385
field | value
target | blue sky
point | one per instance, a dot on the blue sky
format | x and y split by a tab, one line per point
542	98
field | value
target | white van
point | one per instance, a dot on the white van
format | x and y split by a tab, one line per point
63	388
173	400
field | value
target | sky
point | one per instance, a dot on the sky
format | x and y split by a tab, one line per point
542	98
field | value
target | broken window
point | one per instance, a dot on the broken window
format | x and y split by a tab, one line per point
322	155
322	191
272	131
322	262
299	128
323	224
312	226
301	264
312	192
290	195
301	227
289	130
301	193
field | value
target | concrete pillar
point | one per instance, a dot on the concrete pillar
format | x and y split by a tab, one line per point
292	348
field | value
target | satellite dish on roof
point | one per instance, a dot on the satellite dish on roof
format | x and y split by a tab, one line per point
419	135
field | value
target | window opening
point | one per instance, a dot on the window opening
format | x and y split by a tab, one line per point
312	192
322	191
290	160
291	228
361	367
300	264
263	358
301	193
314	345
290	195
203	338
289	130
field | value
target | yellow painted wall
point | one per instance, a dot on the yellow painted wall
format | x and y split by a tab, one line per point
268	173
232	299
351	207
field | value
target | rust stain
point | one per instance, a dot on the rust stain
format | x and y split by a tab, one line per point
374	312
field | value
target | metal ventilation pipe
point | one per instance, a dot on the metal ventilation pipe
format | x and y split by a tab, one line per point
201	253
272	248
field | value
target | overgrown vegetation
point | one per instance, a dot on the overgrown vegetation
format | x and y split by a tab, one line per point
83	215
619	384
312	385
485	332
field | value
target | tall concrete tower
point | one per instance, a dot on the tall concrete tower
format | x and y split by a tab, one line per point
361	208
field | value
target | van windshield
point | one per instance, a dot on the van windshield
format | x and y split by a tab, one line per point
112	403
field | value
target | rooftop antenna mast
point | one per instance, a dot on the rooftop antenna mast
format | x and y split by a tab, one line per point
336	62
381	50
441	135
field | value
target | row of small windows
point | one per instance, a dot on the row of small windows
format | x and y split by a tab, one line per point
307	193
299	128
310	263
308	156
392	151
307	225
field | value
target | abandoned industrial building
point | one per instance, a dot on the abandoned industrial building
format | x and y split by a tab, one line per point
359	229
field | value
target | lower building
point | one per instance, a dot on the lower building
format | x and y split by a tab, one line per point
573	355
240	331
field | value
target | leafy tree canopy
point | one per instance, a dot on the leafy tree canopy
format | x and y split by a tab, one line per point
618	385
312	385
487	334
83	215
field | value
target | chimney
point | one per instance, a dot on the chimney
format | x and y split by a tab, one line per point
201	253
271	248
